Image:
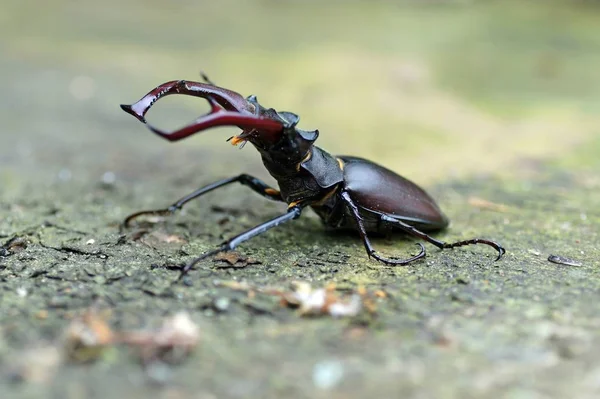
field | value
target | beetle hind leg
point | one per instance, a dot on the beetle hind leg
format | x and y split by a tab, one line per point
440	244
368	246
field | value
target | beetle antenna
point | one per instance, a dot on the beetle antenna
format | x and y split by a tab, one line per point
205	77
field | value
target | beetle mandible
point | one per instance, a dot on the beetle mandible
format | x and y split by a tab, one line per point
346	192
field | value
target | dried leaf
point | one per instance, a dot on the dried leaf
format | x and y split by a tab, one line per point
235	259
13	245
311	301
87	336
176	338
322	301
36	365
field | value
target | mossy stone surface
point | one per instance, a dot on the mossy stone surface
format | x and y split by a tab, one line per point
474	102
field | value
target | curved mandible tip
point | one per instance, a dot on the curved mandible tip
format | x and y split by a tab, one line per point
228	99
228	108
129	109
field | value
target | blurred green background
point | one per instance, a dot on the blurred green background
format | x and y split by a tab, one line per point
433	90
493	99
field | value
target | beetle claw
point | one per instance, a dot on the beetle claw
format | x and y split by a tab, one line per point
501	252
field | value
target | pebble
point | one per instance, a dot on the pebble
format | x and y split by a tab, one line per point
328	374
222	304
109	178
561	260
159	372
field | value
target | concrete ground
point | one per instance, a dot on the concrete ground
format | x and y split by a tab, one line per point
493	108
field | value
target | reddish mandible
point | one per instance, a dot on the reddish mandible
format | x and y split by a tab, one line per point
346	192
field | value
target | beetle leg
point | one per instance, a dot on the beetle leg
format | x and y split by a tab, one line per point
247	180
293	212
368	246
440	244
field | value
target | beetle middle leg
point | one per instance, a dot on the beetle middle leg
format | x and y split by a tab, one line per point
368	246
255	184
440	244
294	212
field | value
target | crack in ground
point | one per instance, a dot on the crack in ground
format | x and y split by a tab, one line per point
73	250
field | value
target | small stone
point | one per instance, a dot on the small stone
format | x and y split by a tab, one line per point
328	374
109	178
561	260
462	280
65	175
222	304
159	372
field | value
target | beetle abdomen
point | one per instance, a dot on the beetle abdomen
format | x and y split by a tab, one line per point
379	190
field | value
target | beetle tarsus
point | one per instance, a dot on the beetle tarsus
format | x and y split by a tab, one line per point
440	244
473	241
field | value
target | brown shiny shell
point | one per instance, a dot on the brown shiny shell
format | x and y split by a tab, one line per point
379	190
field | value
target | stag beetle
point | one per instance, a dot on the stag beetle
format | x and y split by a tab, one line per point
346	192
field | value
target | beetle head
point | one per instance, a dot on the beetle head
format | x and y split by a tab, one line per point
291	140
291	145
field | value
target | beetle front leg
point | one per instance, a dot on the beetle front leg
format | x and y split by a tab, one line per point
368	246
255	184
294	212
440	244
